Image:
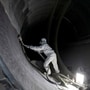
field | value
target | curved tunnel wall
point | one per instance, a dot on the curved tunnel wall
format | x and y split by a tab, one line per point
27	13
44	12
19	11
77	16
13	57
11	52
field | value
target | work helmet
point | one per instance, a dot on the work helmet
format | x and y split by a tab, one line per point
43	41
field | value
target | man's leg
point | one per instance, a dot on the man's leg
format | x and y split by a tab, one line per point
48	70
46	65
55	65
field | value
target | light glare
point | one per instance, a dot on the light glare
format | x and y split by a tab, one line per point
79	78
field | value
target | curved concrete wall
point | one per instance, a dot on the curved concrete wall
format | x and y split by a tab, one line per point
31	10
11	52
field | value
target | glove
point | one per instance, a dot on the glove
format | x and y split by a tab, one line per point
20	38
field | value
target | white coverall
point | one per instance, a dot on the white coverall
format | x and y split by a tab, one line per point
51	57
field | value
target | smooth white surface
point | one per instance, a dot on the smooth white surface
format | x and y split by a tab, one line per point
80	78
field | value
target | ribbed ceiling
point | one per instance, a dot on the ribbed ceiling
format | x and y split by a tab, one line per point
40	10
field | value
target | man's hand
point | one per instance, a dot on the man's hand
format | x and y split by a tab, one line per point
20	38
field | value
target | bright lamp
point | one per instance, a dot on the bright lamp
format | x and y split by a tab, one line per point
80	78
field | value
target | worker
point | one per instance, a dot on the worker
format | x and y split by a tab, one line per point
50	55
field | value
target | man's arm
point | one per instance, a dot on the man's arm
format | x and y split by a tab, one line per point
37	48
20	39
27	46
